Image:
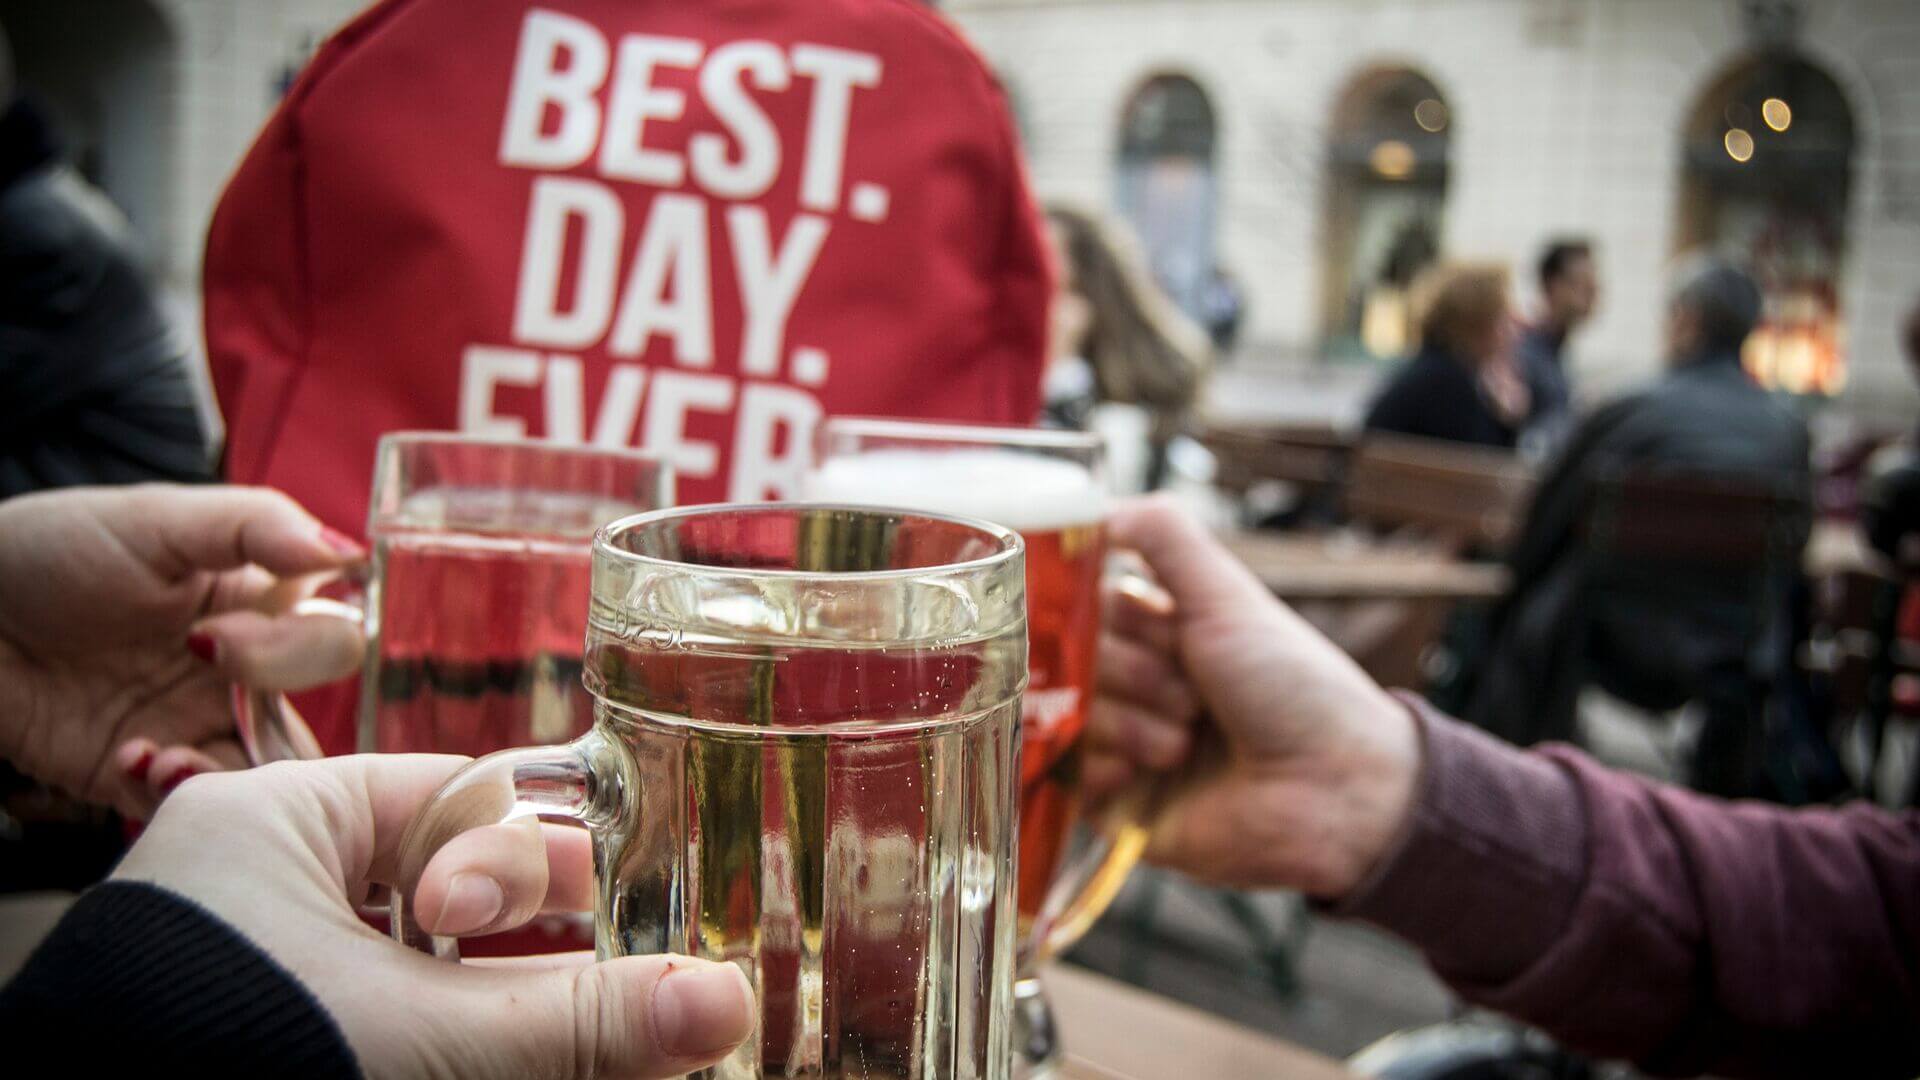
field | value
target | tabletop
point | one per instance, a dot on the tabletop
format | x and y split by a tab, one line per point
1114	1031
1346	567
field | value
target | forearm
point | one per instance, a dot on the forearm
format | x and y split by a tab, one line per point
138	979
1636	920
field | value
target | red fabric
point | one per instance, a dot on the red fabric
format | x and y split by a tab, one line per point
373	236
370	266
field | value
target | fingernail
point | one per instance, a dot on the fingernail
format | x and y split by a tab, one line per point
473	901
178	778
700	1010
203	646
341	542
137	769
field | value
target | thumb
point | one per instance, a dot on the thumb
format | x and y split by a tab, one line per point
632	1017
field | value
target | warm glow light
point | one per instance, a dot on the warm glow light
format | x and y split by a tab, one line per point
1739	144
1392	159
1776	113
1431	115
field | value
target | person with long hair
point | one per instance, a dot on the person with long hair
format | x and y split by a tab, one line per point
1117	338
1464	384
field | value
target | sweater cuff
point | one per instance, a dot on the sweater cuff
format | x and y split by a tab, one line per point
148	981
1490	862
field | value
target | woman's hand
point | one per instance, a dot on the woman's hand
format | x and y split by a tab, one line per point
126	614
285	853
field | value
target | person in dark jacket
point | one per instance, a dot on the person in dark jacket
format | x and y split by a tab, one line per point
1569	289
1655	639
1890	502
1463	385
1627	918
93	383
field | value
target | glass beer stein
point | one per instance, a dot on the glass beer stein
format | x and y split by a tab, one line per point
475	603
802	762
1048	486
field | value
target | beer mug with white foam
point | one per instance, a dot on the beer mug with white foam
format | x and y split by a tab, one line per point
1048	486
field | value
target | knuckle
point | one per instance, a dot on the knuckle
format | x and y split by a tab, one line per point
599	1024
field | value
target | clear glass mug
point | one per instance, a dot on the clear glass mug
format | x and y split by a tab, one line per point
1049	486
803	762
474	602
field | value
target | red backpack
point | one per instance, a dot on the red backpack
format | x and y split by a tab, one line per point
694	226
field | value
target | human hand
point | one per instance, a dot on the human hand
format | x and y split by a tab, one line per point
316	835
127	613
1297	768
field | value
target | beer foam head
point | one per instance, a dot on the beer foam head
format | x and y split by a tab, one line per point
1027	492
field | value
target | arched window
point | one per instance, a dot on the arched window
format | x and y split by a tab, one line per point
106	70
1768	162
1386	192
1166	182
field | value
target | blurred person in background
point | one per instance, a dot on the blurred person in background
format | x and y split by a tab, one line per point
1225	306
93	390
1569	289
1672	635
1463	385
93	382
1626	918
1890	501
1123	358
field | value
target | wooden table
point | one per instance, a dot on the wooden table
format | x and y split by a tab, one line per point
1344	567
1116	1032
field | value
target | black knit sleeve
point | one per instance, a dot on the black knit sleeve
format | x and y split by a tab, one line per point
136	980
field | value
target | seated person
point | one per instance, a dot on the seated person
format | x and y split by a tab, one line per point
1463	385
694	229
1658	639
1890	501
93	382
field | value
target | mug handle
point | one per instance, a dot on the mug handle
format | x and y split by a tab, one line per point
269	727
1092	879
580	781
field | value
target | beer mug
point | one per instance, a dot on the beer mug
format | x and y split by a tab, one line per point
1047	485
801	762
475	601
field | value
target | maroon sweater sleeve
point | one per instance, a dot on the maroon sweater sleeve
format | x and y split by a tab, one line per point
1636	920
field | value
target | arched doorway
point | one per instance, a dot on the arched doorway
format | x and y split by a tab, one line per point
1768	165
1166	183
1386	194
105	70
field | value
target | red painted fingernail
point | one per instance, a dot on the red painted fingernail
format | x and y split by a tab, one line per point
341	542
178	778
203	646
138	769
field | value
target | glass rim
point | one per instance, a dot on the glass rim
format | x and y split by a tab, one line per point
1011	546
429	437
945	431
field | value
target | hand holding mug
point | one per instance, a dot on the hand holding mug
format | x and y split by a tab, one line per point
313	837
127	613
1298	768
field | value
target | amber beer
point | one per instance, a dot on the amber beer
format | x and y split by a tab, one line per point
1059	508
